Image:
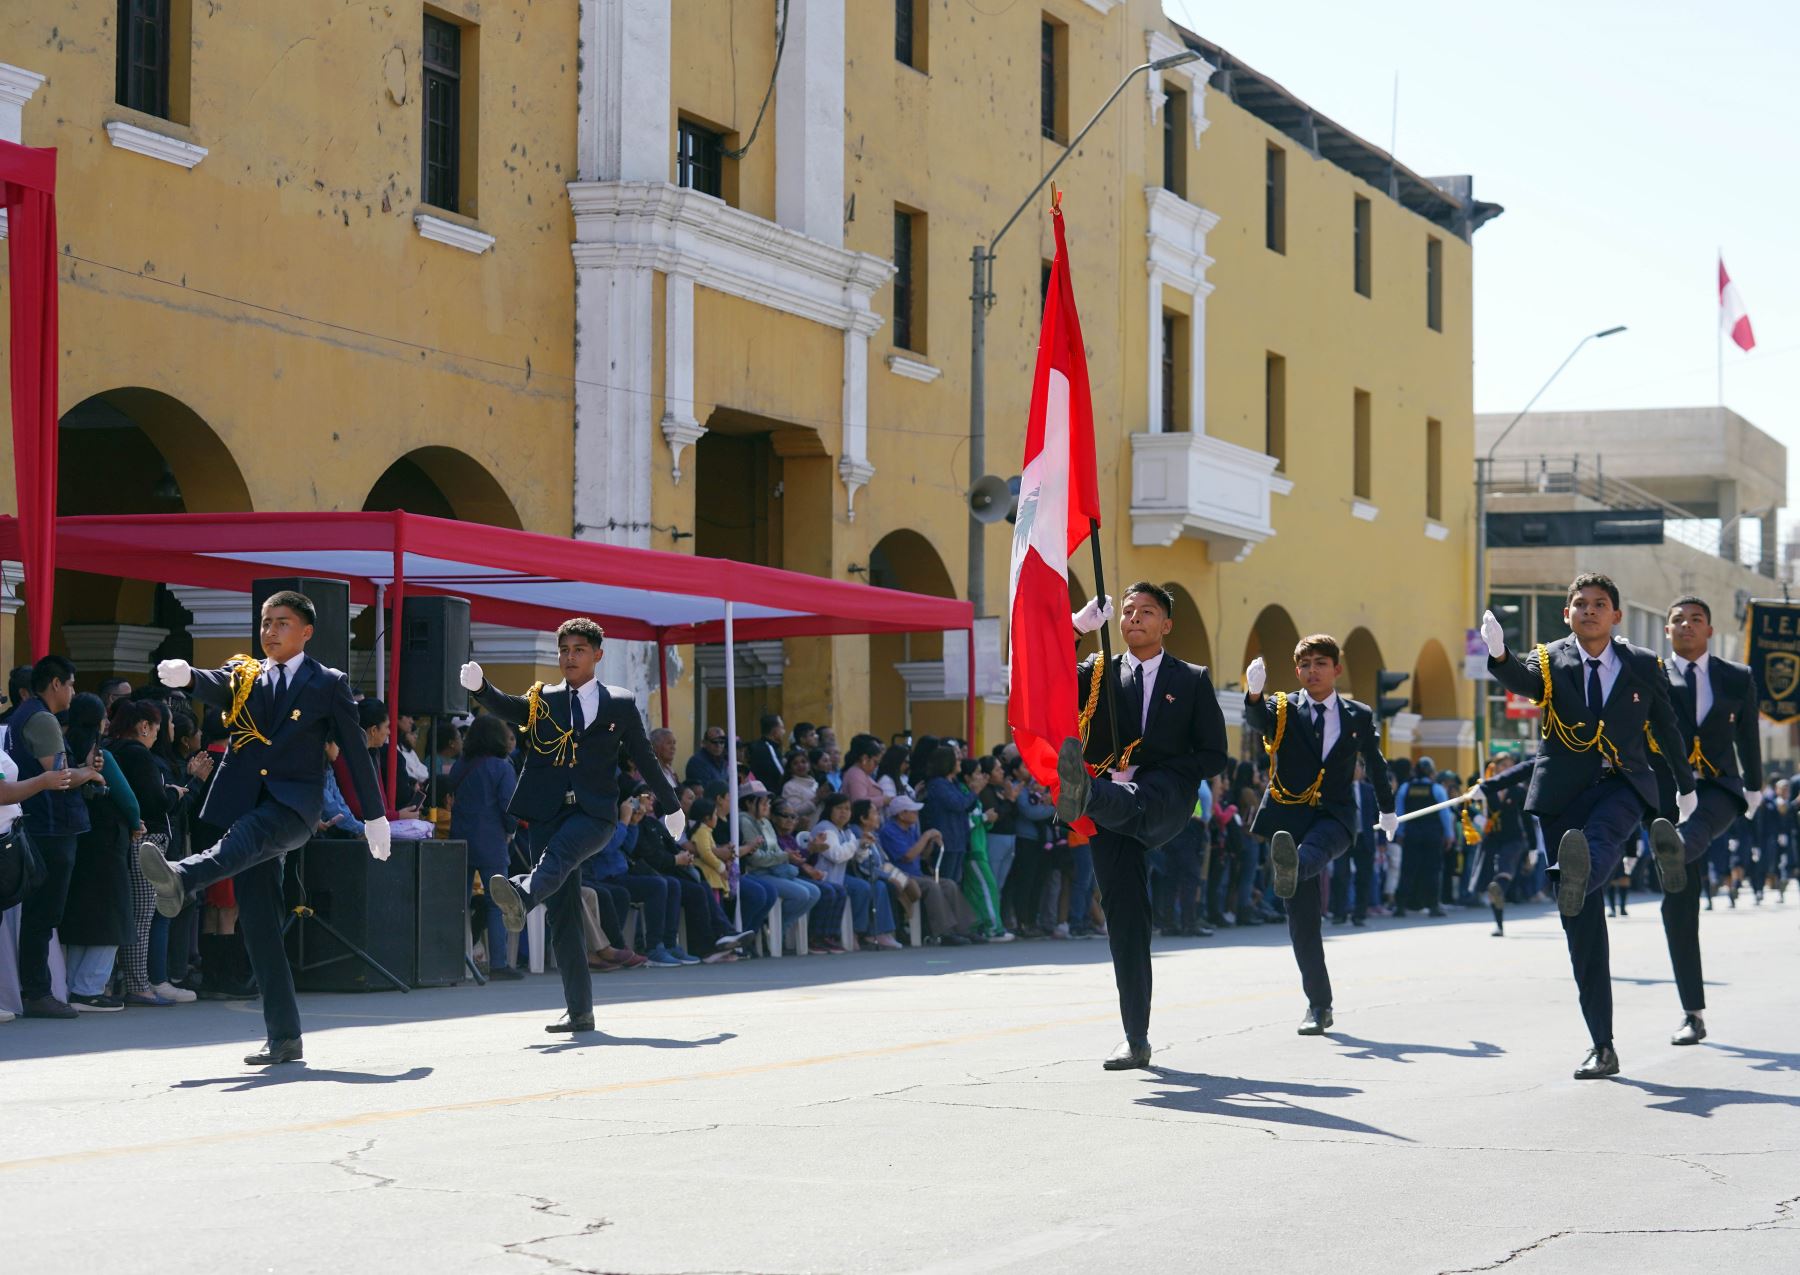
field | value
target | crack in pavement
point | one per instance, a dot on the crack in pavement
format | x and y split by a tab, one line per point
1784	1212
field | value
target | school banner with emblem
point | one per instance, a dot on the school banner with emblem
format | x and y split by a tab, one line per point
1773	653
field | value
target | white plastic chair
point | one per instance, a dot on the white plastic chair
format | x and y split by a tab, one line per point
772	931
848	928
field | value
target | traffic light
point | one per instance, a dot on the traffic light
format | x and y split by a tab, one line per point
1387	705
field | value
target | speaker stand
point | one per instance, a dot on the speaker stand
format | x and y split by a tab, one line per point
303	913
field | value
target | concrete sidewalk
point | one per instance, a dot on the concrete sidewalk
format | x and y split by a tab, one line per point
941	1111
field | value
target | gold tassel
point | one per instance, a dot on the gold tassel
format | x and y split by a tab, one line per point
1470	836
244	672
558	745
1553	724
1281	794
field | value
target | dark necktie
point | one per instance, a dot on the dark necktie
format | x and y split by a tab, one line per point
280	684
1594	697
575	719
1691	710
1319	727
1132	679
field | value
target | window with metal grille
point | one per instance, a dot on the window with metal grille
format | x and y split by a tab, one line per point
1168	374
699	159
1048	114
1362	446
1275	408
1175	111
1275	199
1434	284
1434	469
903	280
144	49
443	113
1361	246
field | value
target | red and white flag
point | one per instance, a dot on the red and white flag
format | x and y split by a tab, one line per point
1059	493
1734	320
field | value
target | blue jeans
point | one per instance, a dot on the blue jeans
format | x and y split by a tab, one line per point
1001	847
871	907
797	897
90	968
828	913
1081	888
755	900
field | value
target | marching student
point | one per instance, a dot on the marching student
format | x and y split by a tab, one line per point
1314	738
1171	736
1716	709
1603	701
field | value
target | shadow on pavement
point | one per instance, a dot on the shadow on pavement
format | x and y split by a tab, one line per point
302	1074
596	1039
1763	1059
1659	982
1703	1102
1267	1101
1387	1051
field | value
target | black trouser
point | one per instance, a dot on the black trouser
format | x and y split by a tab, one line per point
559	845
1608	815
1122	871
1361	858
1319	846
1713	814
42	912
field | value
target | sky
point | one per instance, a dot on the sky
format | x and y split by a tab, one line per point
1629	143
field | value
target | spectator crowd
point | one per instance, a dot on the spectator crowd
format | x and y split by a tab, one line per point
861	839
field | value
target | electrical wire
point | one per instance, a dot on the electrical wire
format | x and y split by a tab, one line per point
781	29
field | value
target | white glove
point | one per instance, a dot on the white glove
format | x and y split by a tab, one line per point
1256	676
1687	802
1389	823
676	824
380	837
1092	617
1493	635
472	677
1752	799
175	673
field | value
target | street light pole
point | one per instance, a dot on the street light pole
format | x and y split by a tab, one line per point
981	296
1484	475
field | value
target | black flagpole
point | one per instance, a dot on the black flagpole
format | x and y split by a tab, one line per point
1106	677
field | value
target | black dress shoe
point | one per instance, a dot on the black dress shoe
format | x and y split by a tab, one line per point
503	894
1199	930
1075	783
1573	867
1601	1061
1285	855
276	1051
1437	911
567	1024
1316	1023
1692	1032
1129	1056
1359	920
1671	856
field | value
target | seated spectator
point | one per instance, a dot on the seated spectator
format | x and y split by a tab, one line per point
707	822
610	874
799	789
859	782
825	764
891	772
335	817
406	797
708	766
904	843
870	867
662	745
708	929
449	749
826	915
947	807
112	690
806	736
479	786
766	859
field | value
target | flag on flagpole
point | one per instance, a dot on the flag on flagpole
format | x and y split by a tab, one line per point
1734	320
1059	495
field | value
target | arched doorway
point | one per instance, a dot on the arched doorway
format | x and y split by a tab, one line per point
1274	638
442	482
902	679
1434	683
1189	639
134	450
1362	660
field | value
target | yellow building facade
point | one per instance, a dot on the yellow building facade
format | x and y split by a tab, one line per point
725	309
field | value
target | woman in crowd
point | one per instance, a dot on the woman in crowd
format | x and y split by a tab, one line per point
1022	893
776	867
480	785
187	767
799	790
979	886
836	845
859	782
891	772
947	807
98	916
133	729
707	824
871	866
825	919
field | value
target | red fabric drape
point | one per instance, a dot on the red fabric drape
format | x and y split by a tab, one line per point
28	192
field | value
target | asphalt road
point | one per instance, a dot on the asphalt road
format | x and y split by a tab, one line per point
942	1111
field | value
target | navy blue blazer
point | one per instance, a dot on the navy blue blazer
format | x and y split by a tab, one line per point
589	770
291	765
1298	765
1730	748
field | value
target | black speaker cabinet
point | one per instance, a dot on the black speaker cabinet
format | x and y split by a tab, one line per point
330	643
408	914
434	645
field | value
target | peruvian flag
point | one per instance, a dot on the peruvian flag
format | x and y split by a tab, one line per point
1733	318
1059	495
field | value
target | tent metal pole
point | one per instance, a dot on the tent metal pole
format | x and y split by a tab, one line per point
380	651
662	679
397	601
731	774
971	711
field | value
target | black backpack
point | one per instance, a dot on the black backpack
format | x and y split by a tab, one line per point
21	868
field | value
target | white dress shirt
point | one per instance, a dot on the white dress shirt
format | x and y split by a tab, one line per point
1609	670
291	665
1145	673
589	695
1333	720
1703	696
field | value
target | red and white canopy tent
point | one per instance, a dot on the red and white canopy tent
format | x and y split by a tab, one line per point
517	578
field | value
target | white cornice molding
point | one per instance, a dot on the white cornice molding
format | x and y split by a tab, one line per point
17	87
457	235
913	369
659	226
680	433
1158	46
1103	7
142	141
1364	510
1435	530
1177	232
856	474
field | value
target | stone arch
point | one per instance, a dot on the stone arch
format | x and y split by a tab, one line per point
1274	638
906	559
1362	660
442	482
1434	683
1190	639
134	450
